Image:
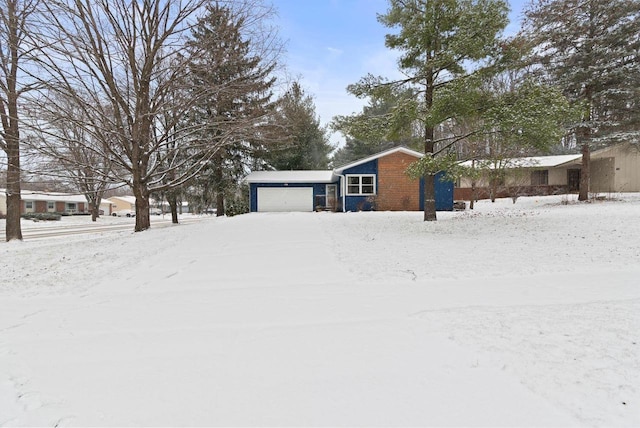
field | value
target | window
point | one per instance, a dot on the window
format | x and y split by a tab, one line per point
28	205
540	178
71	207
51	206
361	184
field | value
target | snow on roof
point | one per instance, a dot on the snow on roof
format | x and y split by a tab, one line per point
30	195
126	198
379	155
291	177
530	162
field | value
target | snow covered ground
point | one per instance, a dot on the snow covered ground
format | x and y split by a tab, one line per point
508	315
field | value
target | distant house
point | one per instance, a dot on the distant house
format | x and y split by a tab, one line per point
121	203
613	169
378	182
52	202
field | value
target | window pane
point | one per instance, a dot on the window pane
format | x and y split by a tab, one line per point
353	180
353	189
367	190
367	180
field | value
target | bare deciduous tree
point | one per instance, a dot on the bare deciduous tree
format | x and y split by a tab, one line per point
15	18
72	149
122	61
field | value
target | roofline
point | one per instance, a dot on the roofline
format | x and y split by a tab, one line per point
248	178
402	149
525	158
569	161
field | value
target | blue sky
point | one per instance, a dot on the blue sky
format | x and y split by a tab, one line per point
333	43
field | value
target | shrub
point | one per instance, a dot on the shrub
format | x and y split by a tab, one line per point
41	216
238	203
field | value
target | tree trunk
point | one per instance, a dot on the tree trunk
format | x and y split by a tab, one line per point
473	194
9	117
219	183
172	199
95	212
430	198
473	185
94	205
585	173
584	139
13	229
429	178
219	203
143	220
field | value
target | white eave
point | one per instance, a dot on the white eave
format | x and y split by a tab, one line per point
28	195
530	162
292	177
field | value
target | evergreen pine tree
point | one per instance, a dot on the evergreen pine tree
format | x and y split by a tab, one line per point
305	144
237	112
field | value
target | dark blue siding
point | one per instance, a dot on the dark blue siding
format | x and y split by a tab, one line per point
444	193
360	203
370	167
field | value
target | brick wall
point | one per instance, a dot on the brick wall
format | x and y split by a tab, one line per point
396	191
41	207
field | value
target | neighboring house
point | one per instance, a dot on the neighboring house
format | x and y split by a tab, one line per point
378	182
121	203
52	202
129	203
613	169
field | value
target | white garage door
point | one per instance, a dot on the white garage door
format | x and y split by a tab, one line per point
285	199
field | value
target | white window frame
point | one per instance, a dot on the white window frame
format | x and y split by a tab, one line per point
51	206
360	177
71	207
29	205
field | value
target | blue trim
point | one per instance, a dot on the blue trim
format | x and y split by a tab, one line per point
360	203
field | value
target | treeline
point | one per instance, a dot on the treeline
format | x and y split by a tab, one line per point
173	99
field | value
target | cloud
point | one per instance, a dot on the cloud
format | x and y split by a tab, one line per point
335	52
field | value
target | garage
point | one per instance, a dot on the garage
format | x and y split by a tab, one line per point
285	199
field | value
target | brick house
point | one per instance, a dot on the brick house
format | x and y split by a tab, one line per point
378	182
52	202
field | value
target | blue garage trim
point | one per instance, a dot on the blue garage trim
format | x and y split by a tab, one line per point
319	189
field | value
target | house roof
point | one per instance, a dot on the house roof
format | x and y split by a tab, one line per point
533	161
30	195
400	149
291	177
127	199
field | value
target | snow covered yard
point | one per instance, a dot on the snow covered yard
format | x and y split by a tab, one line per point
508	315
